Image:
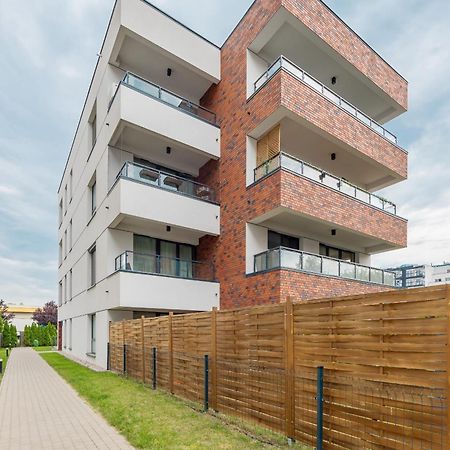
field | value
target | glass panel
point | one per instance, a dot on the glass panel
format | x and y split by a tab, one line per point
330	267
273	259
347	188
171	99
389	278
378	128
376	201
260	262
168	262
142	85
362	195
291	164
274	68
348	107
347	270
390	136
312	173
291	260
331	96
376	275
312	82
362	273
185	261
333	252
330	180
363	118
312	263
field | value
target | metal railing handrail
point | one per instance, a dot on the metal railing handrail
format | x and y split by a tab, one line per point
124	81
341	181
268	74
124	173
328	258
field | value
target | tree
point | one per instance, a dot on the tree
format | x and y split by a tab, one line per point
4	314
27	336
12	336
6	335
47	314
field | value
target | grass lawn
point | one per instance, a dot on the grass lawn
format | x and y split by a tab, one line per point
156	420
43	349
4	357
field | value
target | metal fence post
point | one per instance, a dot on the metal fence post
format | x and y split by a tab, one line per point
154	367
206	384
319	398
1	365
124	358
108	356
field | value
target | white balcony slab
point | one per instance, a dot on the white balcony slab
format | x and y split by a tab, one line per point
131	199
131	107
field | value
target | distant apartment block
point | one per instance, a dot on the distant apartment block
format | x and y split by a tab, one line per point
205	177
416	275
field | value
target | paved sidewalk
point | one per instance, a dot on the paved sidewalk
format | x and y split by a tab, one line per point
39	410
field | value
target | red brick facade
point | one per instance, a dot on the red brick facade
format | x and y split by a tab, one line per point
312	199
237	118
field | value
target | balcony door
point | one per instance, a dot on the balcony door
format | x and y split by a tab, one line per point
169	258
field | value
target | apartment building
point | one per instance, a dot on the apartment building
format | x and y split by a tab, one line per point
416	275
202	176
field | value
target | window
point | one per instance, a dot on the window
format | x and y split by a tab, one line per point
337	253
92	333
60	293
414	273
70	334
65	288
60	212
162	257
70	285
70	236
438	280
410	282
92	266
65	244
447	278
283	240
93	127
60	252
93	194
70	186
65	200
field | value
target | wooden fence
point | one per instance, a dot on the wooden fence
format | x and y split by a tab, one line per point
385	358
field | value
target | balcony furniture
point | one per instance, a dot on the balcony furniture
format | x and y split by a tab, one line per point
150	175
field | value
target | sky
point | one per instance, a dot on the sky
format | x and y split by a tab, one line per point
48	51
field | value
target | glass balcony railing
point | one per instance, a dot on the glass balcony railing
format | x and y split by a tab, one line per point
285	258
153	90
162	265
320	176
171	182
293	69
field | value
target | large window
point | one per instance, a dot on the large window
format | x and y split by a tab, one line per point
337	253
92	265
163	257
92	334
60	293
283	240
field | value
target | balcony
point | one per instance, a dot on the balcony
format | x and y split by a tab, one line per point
154	283
167	181
313	173
141	112
283	63
285	258
169	98
147	200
